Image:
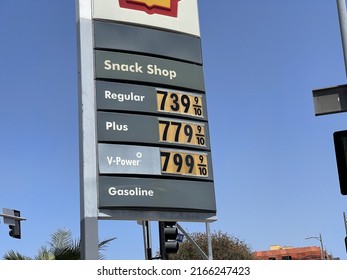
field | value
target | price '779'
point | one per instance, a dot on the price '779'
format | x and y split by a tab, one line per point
182	132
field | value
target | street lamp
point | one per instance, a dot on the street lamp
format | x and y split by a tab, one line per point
321	244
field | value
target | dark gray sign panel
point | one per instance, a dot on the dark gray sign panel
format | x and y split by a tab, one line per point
117	127
330	100
140	160
116	36
112	96
138	68
125	97
146	193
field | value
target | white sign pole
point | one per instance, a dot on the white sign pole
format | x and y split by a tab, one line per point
88	142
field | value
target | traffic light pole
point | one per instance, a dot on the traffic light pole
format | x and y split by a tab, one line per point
345	221
332	100
341	8
196	246
147	239
13	217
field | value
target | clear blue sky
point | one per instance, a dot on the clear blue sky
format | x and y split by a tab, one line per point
274	163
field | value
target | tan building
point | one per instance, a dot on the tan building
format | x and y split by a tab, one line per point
277	252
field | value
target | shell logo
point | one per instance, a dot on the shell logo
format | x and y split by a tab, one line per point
162	7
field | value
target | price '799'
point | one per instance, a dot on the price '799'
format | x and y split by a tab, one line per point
194	164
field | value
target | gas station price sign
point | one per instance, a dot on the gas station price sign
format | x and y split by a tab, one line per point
145	147
180	103
184	163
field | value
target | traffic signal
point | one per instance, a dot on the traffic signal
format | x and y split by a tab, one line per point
168	234
340	143
15	229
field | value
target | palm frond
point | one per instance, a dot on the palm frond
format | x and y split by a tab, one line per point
44	254
62	238
68	253
12	255
61	247
103	245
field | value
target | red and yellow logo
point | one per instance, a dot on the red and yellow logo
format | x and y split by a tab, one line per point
162	7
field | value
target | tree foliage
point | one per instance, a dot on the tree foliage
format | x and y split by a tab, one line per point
224	247
61	247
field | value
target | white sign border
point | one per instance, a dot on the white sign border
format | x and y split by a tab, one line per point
187	20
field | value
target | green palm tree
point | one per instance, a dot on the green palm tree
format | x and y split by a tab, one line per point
61	247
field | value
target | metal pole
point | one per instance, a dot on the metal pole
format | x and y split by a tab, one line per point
201	252
209	241
144	237
87	133
147	239
341	8
321	244
12	217
344	219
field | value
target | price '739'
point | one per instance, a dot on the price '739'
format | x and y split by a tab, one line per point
183	163
180	103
